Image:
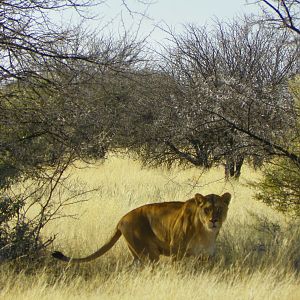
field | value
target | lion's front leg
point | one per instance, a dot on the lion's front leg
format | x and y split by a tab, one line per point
205	256
178	250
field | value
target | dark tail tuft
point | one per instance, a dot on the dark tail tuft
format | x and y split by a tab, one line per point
58	255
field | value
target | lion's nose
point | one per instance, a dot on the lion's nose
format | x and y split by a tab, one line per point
214	220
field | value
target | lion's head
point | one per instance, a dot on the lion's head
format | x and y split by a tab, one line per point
213	210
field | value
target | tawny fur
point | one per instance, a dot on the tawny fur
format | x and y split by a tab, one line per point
174	229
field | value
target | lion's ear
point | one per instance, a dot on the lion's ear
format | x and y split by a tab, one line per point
200	199
226	198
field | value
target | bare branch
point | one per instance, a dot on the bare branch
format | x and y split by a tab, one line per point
286	11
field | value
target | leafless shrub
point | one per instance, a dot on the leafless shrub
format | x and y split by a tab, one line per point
220	96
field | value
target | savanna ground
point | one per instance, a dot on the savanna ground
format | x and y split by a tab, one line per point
258	253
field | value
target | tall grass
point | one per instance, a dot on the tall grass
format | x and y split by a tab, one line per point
258	254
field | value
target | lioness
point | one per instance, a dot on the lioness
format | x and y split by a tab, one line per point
174	229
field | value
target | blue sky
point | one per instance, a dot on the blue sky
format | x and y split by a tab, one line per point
113	15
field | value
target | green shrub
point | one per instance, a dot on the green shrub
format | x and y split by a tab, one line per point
19	236
280	186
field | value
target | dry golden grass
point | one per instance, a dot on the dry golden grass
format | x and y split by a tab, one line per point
258	249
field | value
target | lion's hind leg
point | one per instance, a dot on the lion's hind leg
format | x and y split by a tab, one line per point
141	245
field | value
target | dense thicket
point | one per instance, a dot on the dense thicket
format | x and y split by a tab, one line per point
53	84
219	96
279	187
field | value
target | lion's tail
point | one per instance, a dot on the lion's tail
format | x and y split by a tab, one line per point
94	255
